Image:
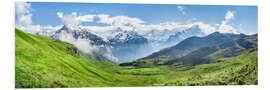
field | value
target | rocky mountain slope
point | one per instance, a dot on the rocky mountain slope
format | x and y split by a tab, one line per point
121	45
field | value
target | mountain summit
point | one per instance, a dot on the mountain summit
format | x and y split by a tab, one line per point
122	45
193	43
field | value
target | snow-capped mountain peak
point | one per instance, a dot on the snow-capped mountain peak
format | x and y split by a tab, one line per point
118	44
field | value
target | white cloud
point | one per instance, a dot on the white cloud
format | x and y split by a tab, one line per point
70	19
25	19
104	18
129	23
73	20
206	28
182	10
224	27
29	28
82	44
123	22
38	28
86	18
161	26
114	22
22	8
229	15
23	13
118	20
60	14
51	28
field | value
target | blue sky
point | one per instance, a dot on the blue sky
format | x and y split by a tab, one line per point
244	18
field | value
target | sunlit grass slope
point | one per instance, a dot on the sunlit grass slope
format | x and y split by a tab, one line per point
44	62
239	70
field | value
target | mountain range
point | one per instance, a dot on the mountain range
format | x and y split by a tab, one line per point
202	50
215	59
121	45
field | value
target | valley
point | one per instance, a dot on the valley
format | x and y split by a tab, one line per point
103	45
216	59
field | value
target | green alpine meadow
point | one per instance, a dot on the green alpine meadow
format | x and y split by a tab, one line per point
42	62
93	45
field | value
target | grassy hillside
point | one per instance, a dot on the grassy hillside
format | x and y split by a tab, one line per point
227	49
224	45
240	70
194	43
42	62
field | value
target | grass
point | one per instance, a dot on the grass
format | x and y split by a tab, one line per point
240	70
42	62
